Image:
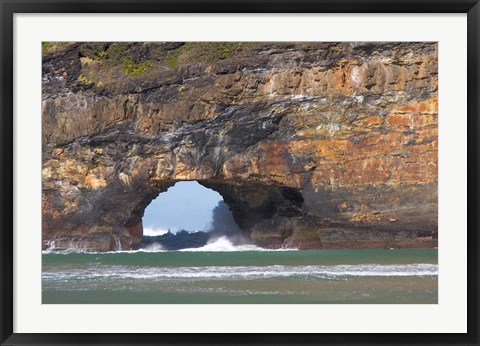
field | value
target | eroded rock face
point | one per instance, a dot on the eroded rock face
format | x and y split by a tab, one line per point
312	145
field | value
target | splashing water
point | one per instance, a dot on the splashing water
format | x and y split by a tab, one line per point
118	243
224	244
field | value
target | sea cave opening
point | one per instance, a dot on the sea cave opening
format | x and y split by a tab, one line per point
188	215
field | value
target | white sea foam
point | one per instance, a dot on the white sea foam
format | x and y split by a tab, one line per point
246	272
224	244
155	247
151	231
149	248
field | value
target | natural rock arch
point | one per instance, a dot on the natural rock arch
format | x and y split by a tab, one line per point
320	145
251	204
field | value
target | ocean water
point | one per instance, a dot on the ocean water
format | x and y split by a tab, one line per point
224	273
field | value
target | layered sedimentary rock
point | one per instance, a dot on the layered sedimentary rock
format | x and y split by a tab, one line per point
312	145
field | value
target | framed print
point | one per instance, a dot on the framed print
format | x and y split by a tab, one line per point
239	173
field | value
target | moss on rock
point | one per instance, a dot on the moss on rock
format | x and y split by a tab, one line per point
203	52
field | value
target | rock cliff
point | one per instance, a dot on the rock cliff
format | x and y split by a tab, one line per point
312	145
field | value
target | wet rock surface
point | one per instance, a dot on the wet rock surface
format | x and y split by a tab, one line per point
312	145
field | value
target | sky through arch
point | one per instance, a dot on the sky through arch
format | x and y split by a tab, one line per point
186	205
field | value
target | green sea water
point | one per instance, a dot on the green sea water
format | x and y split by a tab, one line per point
406	276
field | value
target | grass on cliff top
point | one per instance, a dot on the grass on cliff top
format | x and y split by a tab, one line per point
139	58
104	63
49	47
131	68
135	64
106	55
203	52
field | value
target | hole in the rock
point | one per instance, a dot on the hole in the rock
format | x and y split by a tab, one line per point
188	215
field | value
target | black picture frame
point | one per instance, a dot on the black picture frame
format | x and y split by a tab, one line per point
9	7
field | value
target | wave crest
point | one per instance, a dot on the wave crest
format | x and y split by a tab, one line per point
223	244
250	272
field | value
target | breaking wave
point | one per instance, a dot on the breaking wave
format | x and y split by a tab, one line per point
247	272
223	244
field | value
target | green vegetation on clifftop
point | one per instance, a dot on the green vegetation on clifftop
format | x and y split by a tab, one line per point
203	52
